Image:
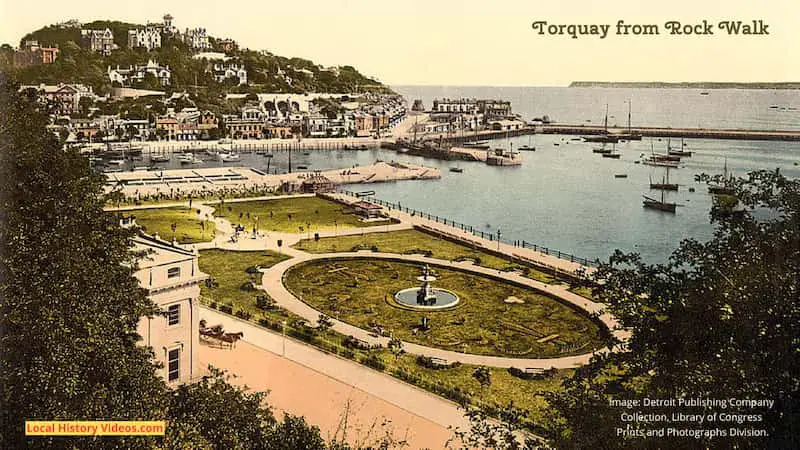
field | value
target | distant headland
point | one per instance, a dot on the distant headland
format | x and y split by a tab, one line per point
686	85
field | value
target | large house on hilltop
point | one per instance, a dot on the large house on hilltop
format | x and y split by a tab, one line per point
223	72
196	38
101	41
171	277
32	54
148	37
136	74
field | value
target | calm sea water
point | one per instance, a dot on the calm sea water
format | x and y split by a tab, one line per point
566	197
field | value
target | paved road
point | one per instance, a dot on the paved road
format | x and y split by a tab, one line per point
272	282
405	396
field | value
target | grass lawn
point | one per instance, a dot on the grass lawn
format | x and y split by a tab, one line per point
188	224
526	394
229	269
406	241
360	292
290	215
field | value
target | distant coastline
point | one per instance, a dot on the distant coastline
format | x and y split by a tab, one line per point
686	85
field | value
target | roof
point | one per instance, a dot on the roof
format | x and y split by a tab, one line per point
367	205
159	252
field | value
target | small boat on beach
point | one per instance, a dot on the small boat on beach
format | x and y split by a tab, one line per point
456	169
601	150
621	175
302	167
159	158
116	162
659	205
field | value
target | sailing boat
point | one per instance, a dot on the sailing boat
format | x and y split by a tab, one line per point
725	188
613	153
681	151
665	185
527	148
660	205
630	135
604	137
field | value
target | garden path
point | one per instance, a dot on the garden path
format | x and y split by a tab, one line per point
272	282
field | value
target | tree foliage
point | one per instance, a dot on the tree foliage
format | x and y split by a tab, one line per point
69	303
717	321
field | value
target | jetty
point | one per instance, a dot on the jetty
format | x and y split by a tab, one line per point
592	130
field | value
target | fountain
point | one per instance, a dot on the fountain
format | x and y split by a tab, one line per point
425	297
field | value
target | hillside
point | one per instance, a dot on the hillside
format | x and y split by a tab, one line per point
266	72
687	85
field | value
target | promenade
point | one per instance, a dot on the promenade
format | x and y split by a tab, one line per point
330	391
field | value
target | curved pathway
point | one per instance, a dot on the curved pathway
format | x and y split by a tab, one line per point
272	282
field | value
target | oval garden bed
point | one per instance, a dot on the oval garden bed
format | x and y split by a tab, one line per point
493	316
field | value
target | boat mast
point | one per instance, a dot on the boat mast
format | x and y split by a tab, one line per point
605	121
629	116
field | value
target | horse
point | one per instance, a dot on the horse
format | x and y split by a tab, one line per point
230	338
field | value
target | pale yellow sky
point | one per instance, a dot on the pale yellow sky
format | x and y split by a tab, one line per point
471	42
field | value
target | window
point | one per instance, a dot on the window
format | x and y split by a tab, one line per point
174	272
173	364
174	315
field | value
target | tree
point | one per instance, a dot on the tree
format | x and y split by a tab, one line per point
323	323
226	415
483	376
70	306
718	321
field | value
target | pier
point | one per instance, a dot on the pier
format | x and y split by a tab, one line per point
660	132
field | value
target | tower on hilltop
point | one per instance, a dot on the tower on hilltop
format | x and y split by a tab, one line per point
167	26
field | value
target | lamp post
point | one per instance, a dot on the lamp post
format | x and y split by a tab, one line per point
283	328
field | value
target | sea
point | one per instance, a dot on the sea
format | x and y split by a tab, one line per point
568	198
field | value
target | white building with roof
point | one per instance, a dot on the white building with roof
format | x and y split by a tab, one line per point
224	72
171	276
136	74
197	38
148	37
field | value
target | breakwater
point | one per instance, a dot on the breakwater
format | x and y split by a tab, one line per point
660	132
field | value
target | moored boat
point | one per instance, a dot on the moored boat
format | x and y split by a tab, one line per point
659	205
665	185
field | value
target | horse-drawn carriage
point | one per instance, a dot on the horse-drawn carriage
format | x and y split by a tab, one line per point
218	335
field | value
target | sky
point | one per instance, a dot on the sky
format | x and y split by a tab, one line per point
451	42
